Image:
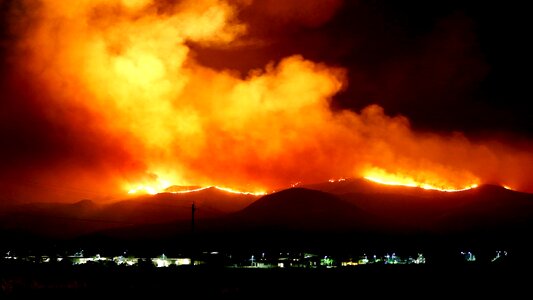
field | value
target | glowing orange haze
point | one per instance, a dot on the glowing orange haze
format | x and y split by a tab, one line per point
129	65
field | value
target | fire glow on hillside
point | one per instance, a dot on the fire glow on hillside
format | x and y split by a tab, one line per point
122	80
427	182
165	189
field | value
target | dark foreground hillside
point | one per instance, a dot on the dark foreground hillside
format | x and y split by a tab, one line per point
420	281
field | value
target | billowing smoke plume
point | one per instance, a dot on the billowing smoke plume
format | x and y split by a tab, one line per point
122	102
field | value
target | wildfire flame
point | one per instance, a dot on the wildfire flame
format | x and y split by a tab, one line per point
123	78
382	177
163	188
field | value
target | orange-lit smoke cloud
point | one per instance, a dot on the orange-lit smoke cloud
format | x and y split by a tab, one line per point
129	67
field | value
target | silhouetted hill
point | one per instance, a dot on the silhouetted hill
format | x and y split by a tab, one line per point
286	218
53	219
304	209
488	207
64	220
446	210
364	186
487	215
215	199
353	212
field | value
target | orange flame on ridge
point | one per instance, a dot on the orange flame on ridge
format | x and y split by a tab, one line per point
163	189
383	177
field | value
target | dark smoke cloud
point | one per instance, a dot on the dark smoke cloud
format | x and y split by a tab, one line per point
447	65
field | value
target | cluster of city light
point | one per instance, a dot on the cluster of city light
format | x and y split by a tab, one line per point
283	260
468	256
309	260
163	261
80	259
499	255
390	259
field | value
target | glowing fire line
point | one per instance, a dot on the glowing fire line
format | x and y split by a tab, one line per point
220	189
424	186
381	176
153	191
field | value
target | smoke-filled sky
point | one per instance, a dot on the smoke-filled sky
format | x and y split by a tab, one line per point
100	97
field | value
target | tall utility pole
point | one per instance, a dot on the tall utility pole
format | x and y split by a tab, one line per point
193	209
193	246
